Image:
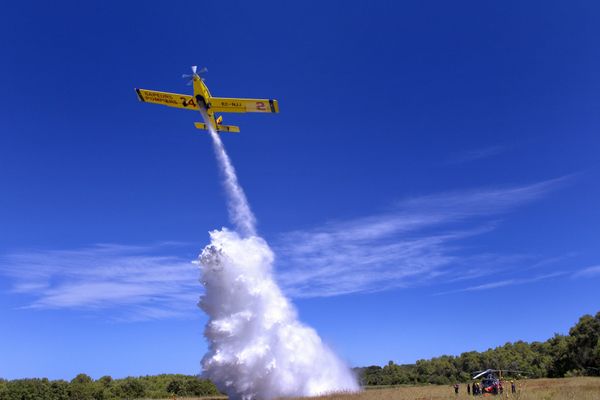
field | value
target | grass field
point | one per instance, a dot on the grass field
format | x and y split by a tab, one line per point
532	389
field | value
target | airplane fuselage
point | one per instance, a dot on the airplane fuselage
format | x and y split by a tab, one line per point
202	96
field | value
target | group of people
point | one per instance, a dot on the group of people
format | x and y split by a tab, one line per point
477	389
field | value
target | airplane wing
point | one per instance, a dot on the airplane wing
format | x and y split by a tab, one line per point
222	104
167	99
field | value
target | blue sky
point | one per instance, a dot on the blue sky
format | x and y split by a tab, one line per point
434	163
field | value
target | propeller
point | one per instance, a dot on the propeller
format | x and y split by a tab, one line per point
195	71
481	373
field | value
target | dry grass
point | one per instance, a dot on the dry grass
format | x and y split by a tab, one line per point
532	389
194	398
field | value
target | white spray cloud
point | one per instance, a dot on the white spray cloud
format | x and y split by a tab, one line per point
257	347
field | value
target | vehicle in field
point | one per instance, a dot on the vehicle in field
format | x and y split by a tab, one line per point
491	382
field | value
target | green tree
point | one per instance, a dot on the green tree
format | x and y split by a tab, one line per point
370	375
582	347
105	381
59	390
199	387
27	389
176	386
131	388
81	388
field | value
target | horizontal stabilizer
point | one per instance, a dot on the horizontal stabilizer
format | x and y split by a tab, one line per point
228	128
220	128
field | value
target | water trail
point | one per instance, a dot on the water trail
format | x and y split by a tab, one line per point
237	204
257	347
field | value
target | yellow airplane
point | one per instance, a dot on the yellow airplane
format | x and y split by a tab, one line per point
208	105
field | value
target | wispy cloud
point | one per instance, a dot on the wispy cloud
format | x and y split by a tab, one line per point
476	154
507	282
588	272
133	280
419	241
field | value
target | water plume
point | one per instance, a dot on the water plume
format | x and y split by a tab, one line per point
237	204
258	349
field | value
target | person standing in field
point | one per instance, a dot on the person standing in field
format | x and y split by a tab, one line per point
513	387
456	389
468	389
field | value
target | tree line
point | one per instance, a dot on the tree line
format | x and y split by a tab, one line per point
575	354
83	387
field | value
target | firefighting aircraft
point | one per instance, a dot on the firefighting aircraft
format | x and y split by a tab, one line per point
208	105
